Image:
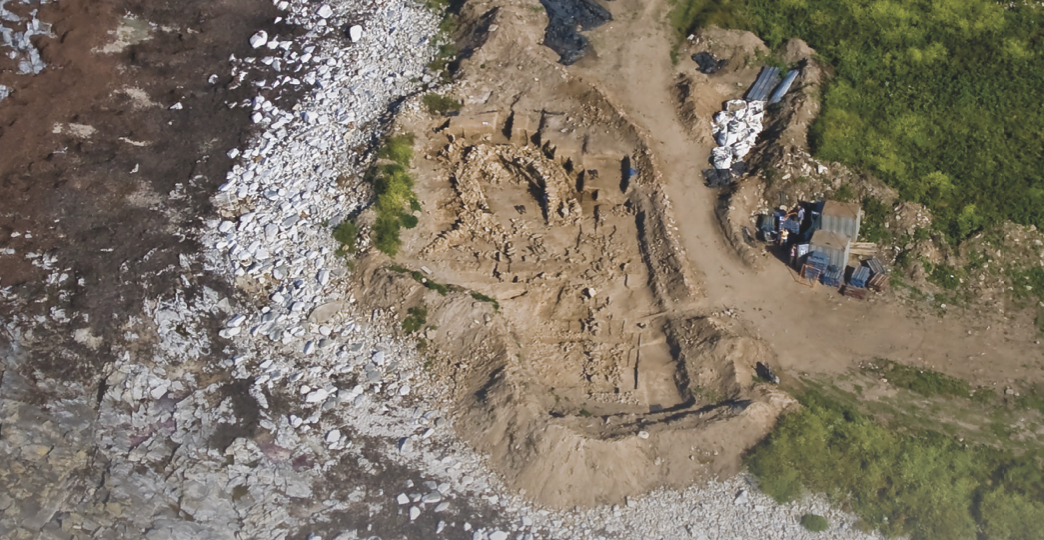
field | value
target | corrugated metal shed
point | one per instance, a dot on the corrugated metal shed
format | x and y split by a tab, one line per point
833	245
842	218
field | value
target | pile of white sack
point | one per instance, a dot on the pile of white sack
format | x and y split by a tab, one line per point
735	130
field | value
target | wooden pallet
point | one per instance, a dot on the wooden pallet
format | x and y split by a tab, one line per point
879	282
875	265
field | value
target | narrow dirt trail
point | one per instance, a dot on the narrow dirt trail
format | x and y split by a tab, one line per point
812	330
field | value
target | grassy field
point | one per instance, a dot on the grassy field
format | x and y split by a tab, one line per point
912	451
940	99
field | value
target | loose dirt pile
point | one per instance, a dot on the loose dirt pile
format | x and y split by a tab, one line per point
590	377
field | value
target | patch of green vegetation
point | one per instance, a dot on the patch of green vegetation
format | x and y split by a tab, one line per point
415	319
923	484
844	193
394	187
944	276
1027	283
443	290
347	234
483	298
875	214
1031	399
707	394
686	16
926	382
814	523
938	98
398	148
440	104
585	413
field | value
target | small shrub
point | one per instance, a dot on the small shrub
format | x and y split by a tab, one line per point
347	233
415	319
439	104
814	523
398	149
386	235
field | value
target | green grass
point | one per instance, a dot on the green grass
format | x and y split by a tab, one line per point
944	276
488	299
814	523
398	148
938	98
844	193
440	288
875	214
925	382
1027	283
440	104
923	483
415	319
686	16
396	200
347	234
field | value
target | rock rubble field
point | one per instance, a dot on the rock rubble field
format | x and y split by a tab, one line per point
268	403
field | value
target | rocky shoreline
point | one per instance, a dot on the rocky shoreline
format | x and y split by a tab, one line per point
276	406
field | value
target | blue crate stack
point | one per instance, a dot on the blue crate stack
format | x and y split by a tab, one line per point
859	277
832	277
816	264
792	225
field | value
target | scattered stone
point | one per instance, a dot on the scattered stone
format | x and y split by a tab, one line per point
355	33
259	39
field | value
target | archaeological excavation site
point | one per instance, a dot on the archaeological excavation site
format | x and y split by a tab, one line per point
562	316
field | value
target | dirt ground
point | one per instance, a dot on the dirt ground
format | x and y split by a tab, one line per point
101	173
611	296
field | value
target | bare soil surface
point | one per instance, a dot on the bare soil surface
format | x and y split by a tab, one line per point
101	173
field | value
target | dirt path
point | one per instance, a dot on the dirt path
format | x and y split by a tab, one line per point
812	330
